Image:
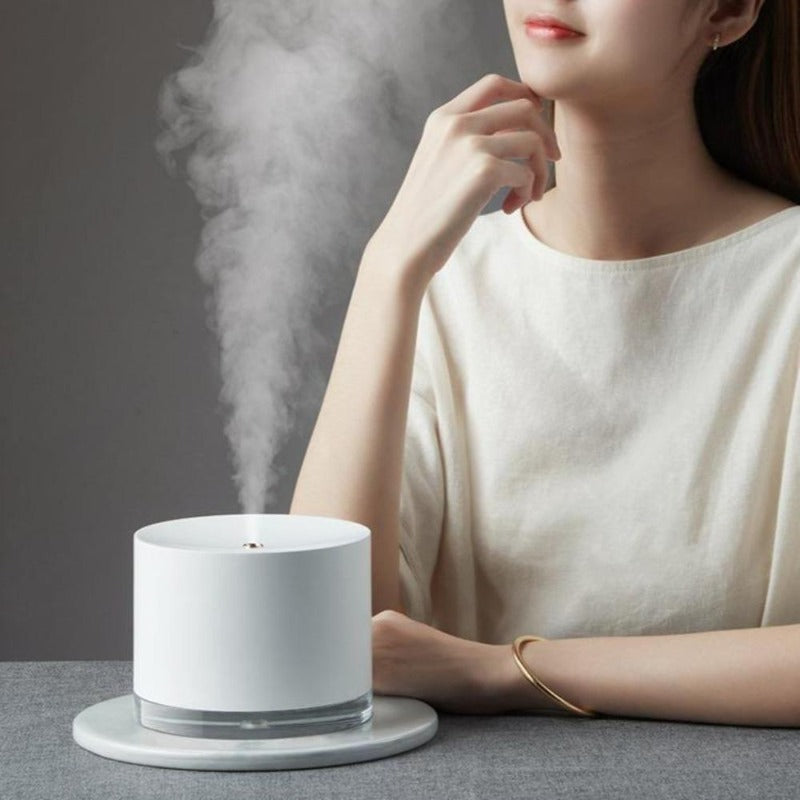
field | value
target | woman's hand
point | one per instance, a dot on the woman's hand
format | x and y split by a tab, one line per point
455	675
463	158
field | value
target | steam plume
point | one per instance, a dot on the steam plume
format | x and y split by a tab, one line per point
300	119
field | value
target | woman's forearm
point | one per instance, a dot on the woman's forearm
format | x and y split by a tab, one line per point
353	461
746	676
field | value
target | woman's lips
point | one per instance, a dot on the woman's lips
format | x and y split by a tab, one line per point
546	30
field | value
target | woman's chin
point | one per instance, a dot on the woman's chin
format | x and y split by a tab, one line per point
552	90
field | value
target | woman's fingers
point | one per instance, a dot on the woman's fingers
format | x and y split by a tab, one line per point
487	90
514	115
519	144
528	146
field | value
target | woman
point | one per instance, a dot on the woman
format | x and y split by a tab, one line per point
594	435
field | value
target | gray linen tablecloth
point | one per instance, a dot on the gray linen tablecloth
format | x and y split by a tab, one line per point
505	756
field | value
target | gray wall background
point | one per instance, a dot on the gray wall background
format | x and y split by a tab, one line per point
109	412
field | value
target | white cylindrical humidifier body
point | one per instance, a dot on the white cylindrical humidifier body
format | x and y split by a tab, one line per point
252	625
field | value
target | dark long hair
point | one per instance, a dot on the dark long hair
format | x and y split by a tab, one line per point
747	101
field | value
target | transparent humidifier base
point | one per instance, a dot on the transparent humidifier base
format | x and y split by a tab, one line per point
253	724
109	729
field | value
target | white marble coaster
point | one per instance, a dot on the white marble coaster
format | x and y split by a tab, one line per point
110	729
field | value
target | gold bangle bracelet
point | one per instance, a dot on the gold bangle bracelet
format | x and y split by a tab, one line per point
516	649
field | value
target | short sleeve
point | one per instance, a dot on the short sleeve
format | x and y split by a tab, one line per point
783	600
422	489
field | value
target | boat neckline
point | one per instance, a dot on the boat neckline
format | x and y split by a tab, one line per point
684	256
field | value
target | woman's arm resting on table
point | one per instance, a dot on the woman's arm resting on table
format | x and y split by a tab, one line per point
744	676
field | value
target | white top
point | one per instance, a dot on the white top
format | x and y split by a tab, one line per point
604	447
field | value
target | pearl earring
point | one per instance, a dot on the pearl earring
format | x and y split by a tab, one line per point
716	42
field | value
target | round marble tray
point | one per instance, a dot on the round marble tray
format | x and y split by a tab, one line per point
110	729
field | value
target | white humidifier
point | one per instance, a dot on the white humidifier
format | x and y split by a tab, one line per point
252	649
252	626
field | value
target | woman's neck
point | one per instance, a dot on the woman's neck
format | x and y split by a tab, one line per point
634	188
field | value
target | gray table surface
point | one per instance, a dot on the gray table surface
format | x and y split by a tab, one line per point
504	756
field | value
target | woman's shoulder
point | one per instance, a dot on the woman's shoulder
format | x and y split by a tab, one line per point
768	203
755	205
